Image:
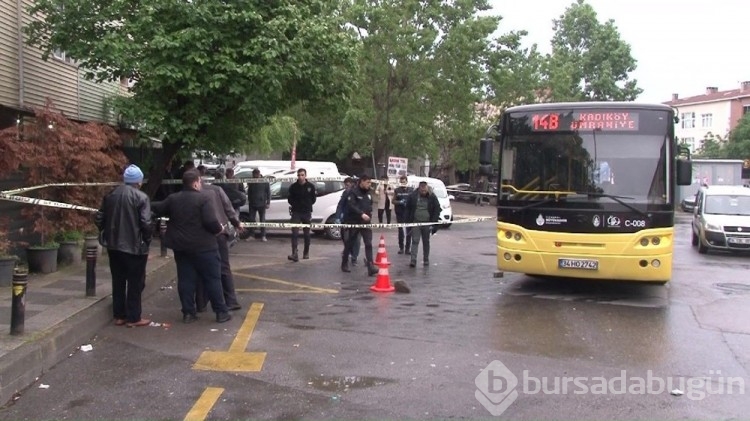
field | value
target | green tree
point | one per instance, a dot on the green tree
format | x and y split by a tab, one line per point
208	74
589	60
738	144
423	72
712	147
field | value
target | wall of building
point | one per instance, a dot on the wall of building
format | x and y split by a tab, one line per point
719	123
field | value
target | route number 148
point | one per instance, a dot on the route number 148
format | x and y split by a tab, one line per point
546	121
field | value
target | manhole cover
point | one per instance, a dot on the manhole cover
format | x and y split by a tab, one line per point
732	287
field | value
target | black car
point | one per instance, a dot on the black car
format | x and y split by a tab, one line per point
688	203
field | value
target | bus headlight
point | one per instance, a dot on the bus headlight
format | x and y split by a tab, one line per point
644	241
508	235
655	241
517	237
655	263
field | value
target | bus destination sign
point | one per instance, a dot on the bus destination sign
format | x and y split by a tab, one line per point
584	120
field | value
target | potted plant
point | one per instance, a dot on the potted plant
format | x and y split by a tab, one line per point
7	260
70	246
42	258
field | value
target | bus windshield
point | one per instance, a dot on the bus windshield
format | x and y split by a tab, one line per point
629	164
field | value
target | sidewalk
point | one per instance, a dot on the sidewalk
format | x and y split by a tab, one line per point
59	317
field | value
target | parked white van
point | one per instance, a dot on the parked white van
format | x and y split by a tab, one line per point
324	210
272	168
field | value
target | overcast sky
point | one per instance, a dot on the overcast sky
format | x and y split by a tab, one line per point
682	46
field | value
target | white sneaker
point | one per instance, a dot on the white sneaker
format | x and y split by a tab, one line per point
264	239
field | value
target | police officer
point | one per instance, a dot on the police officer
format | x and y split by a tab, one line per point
359	211
302	197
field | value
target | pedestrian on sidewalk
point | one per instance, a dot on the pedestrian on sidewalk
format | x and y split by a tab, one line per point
423	206
258	200
191	233
359	211
302	196
124	222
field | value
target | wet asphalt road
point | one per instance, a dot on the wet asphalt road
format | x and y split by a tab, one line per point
335	350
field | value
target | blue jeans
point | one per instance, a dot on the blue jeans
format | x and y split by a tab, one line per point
203	267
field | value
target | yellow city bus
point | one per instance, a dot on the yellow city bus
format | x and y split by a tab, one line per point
587	190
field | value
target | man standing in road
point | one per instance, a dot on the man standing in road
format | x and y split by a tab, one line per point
258	200
124	221
422	206
302	197
226	215
401	194
341	215
359	211
191	233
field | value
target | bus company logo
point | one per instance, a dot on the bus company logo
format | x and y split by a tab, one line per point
597	221
613	221
540	220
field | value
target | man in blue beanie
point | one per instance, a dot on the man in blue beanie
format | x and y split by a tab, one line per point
124	221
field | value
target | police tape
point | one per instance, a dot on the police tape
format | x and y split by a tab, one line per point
281	225
43	202
473	193
208	180
321	225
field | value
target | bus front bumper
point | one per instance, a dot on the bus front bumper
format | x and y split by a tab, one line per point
648	268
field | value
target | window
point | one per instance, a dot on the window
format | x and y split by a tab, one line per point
690	142
706	120
745	109
62	56
688	120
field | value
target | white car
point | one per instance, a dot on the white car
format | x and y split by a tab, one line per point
324	210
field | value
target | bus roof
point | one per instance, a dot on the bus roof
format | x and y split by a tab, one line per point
589	105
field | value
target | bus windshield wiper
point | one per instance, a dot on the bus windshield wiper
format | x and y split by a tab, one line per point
555	193
617	199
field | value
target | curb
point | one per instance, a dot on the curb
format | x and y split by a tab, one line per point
22	366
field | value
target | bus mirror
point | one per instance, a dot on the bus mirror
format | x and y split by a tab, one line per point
486	170
684	172
485	151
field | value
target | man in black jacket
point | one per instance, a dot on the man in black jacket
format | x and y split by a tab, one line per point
401	197
258	200
359	211
422	206
124	220
302	197
191	233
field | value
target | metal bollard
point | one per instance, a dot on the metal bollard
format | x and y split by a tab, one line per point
162	233
18	304
91	252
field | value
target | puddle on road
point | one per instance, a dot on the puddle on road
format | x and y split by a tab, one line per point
346	383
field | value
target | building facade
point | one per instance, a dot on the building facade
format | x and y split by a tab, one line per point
27	81
713	112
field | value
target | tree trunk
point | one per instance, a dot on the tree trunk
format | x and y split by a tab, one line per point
157	171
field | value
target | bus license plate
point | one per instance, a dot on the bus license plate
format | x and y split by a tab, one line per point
578	264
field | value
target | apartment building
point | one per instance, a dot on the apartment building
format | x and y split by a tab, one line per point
713	112
26	81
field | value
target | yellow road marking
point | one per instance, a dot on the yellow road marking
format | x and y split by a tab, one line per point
303	287
246	330
203	406
236	359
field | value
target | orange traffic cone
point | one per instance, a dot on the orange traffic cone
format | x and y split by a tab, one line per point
382	255
383	281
